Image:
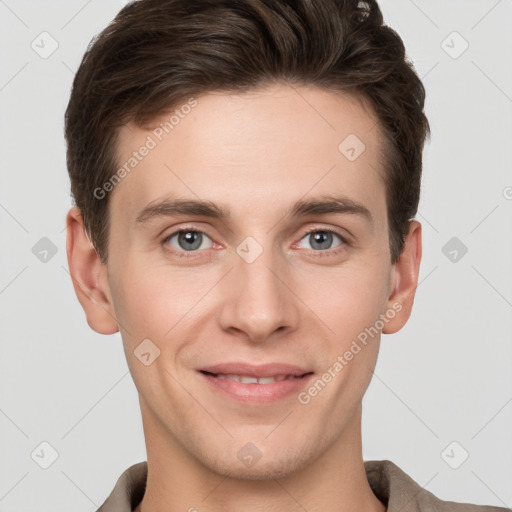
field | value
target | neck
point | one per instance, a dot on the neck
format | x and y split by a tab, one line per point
335	482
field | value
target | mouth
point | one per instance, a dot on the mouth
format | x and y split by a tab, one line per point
248	379
255	385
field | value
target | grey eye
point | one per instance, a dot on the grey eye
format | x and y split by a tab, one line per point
189	240
321	240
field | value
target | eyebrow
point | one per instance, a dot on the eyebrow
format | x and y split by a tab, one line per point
301	208
329	204
173	207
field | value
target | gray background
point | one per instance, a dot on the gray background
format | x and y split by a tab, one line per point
446	378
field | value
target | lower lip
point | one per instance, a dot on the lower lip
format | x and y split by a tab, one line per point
257	393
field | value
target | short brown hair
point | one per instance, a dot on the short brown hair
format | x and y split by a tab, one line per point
157	53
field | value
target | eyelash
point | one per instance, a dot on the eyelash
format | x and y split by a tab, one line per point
327	252
318	254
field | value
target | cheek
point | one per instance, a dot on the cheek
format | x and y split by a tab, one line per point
150	300
346	299
349	302
152	303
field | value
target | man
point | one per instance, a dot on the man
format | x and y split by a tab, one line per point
246	175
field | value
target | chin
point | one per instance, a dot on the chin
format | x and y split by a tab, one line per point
267	467
258	472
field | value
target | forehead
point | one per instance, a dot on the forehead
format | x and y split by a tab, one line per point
254	150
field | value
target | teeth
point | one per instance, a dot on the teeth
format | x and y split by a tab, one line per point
266	380
245	379
248	380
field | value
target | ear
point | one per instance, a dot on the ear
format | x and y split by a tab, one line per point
89	276
404	280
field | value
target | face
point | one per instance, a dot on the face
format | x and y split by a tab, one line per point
251	242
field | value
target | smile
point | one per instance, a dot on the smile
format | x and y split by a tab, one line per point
247	379
255	385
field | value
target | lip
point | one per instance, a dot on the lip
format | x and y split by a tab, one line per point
251	370
256	393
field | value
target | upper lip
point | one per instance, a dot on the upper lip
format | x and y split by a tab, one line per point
250	370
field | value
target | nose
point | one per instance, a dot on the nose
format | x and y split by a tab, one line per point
258	302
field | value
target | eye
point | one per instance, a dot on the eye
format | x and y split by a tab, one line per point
321	240
188	240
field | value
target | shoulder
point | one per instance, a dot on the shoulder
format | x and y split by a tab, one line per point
401	493
128	491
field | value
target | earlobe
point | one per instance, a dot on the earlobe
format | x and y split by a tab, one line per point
89	276
404	280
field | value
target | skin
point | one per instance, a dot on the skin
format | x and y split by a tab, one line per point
256	154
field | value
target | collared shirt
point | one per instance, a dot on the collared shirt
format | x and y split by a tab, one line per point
392	486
